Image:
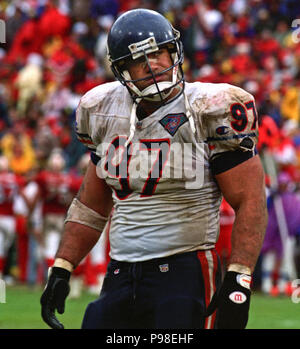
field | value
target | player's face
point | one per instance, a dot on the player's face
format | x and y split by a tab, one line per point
159	61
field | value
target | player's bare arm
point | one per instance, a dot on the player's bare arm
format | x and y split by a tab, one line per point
243	188
78	239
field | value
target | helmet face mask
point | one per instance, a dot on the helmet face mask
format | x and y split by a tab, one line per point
134	36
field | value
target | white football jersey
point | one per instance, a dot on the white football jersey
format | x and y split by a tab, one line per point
166	200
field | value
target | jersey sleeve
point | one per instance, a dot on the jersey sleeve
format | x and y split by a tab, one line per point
232	129
82	127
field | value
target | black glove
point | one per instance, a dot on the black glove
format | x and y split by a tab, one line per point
232	301
54	295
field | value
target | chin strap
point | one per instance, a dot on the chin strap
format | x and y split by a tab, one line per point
189	114
132	120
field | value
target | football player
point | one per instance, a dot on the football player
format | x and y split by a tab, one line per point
11	185
56	189
164	151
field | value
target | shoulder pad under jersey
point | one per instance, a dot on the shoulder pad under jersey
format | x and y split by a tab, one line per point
104	99
227	115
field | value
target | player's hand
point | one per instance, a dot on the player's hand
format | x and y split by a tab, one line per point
54	296
232	301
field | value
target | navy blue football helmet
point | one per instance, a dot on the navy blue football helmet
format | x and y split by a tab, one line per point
135	34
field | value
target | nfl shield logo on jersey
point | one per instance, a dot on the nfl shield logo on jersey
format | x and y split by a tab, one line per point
172	122
164	268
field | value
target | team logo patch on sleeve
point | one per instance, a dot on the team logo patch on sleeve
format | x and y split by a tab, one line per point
172	122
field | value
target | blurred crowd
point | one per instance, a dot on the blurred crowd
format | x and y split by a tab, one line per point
55	51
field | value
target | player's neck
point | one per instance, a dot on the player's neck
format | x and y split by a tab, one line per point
146	108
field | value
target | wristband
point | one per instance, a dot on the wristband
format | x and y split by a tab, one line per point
62	263
239	268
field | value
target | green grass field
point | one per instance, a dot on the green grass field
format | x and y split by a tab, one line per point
22	311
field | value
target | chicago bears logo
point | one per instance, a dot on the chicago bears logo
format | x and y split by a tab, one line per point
172	122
